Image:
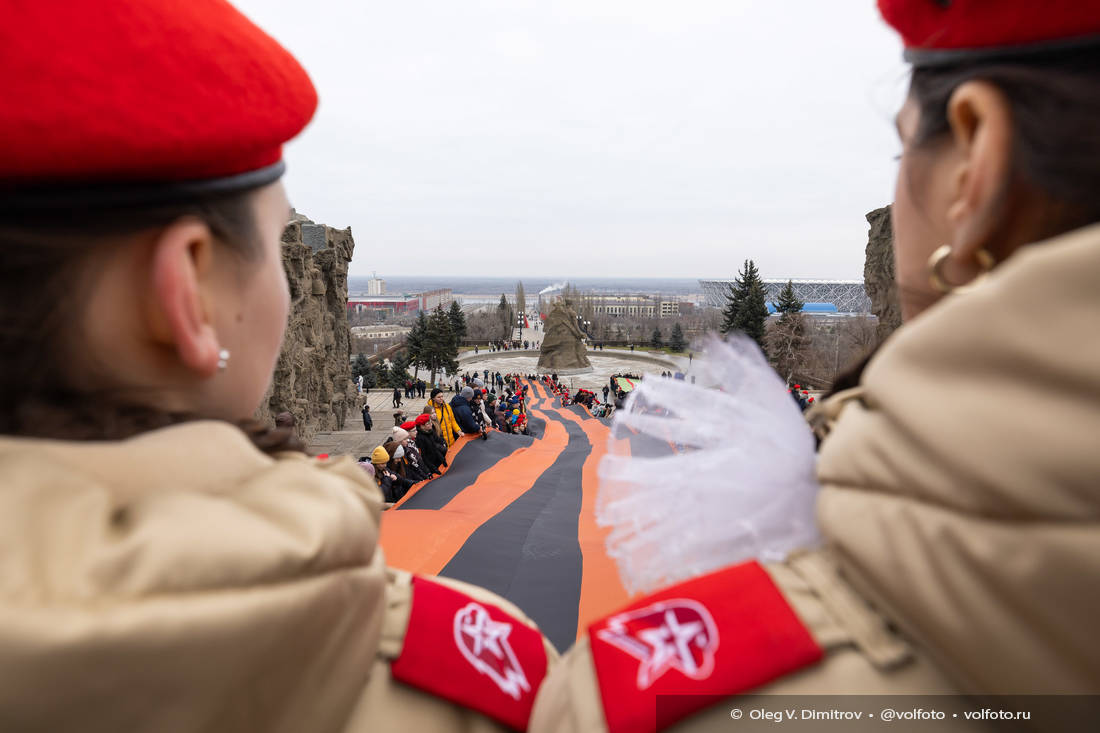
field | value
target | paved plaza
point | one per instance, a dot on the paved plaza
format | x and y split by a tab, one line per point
353	439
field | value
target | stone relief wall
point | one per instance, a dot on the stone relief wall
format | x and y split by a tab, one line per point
878	272
312	378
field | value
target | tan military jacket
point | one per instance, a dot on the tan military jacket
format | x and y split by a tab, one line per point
960	504
183	581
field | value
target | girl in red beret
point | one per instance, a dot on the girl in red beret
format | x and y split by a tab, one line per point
956	537
429	445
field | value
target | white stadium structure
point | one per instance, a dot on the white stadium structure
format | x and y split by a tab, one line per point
840	297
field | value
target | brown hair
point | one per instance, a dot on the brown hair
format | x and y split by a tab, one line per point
395	465
1055	103
47	270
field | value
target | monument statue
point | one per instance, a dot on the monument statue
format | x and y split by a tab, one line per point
563	349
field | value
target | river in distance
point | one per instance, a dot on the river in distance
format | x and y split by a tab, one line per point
494	286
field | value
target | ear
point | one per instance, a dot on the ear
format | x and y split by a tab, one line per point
980	118
181	318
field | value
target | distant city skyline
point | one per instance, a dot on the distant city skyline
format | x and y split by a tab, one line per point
844	296
579	136
532	285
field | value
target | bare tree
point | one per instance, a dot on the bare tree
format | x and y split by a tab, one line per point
861	336
788	345
506	322
482	326
834	345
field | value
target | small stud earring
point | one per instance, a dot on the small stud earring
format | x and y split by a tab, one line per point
223	359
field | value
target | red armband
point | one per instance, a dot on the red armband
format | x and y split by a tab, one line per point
722	634
471	653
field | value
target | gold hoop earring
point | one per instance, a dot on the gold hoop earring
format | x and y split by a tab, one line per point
939	282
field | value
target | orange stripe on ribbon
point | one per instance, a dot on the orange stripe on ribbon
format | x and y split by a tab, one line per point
425	540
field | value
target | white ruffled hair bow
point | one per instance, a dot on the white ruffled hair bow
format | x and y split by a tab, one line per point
701	476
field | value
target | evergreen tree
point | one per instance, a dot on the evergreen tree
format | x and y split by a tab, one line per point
788	302
729	313
676	341
657	339
746	309
399	370
361	367
753	316
458	322
380	374
415	342
440	345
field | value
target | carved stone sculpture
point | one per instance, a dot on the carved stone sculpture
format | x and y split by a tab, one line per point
563	349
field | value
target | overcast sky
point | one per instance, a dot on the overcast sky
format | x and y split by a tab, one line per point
592	137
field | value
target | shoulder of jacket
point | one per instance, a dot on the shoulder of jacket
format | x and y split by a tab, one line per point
465	645
824	415
721	634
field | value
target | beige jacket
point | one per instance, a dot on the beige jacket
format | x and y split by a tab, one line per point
960	504
183	581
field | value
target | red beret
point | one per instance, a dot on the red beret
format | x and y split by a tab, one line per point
156	91
422	419
408	425
940	32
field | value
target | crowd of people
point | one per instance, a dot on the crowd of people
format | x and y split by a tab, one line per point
495	381
482	402
581	396
417	449
801	397
499	401
509	345
412	389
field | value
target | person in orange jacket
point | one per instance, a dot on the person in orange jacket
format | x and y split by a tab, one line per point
445	416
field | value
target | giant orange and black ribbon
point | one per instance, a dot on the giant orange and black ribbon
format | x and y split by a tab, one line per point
516	514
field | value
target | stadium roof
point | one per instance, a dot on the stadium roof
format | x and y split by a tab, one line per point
848	296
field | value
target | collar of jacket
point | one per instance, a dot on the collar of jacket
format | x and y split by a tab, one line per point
961	489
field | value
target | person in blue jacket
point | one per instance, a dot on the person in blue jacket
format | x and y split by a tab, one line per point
464	415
